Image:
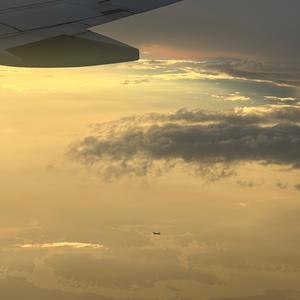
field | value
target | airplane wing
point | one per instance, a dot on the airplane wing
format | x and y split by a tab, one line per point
55	33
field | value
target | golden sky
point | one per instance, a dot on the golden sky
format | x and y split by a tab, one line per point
201	145
94	160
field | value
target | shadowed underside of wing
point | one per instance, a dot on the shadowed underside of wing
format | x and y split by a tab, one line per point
45	33
70	51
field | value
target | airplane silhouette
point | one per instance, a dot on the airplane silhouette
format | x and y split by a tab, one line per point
56	33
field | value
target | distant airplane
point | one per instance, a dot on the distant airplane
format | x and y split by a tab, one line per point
156	233
55	33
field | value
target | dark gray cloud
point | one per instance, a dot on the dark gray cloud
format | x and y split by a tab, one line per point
261	38
200	139
266	29
13	288
253	70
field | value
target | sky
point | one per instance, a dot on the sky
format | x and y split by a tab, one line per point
199	140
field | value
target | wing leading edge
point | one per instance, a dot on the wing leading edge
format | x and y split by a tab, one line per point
45	33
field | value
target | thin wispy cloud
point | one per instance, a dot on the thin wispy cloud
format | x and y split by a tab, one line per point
217	69
72	245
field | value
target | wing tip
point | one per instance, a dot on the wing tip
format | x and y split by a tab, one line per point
70	51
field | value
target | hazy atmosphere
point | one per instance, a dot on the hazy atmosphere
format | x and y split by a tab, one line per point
199	140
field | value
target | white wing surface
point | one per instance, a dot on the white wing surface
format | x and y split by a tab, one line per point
55	33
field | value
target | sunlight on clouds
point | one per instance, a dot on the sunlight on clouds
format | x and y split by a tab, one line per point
192	75
232	97
199	141
282	99
205	152
73	245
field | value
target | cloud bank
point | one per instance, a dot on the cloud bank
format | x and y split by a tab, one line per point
218	68
267	29
13	288
269	295
144	269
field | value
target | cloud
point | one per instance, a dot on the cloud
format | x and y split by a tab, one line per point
13	288
73	245
281	99
220	68
253	70
282	185
135	81
265	30
143	268
268	295
297	186
267	243
232	97
208	142
248	184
